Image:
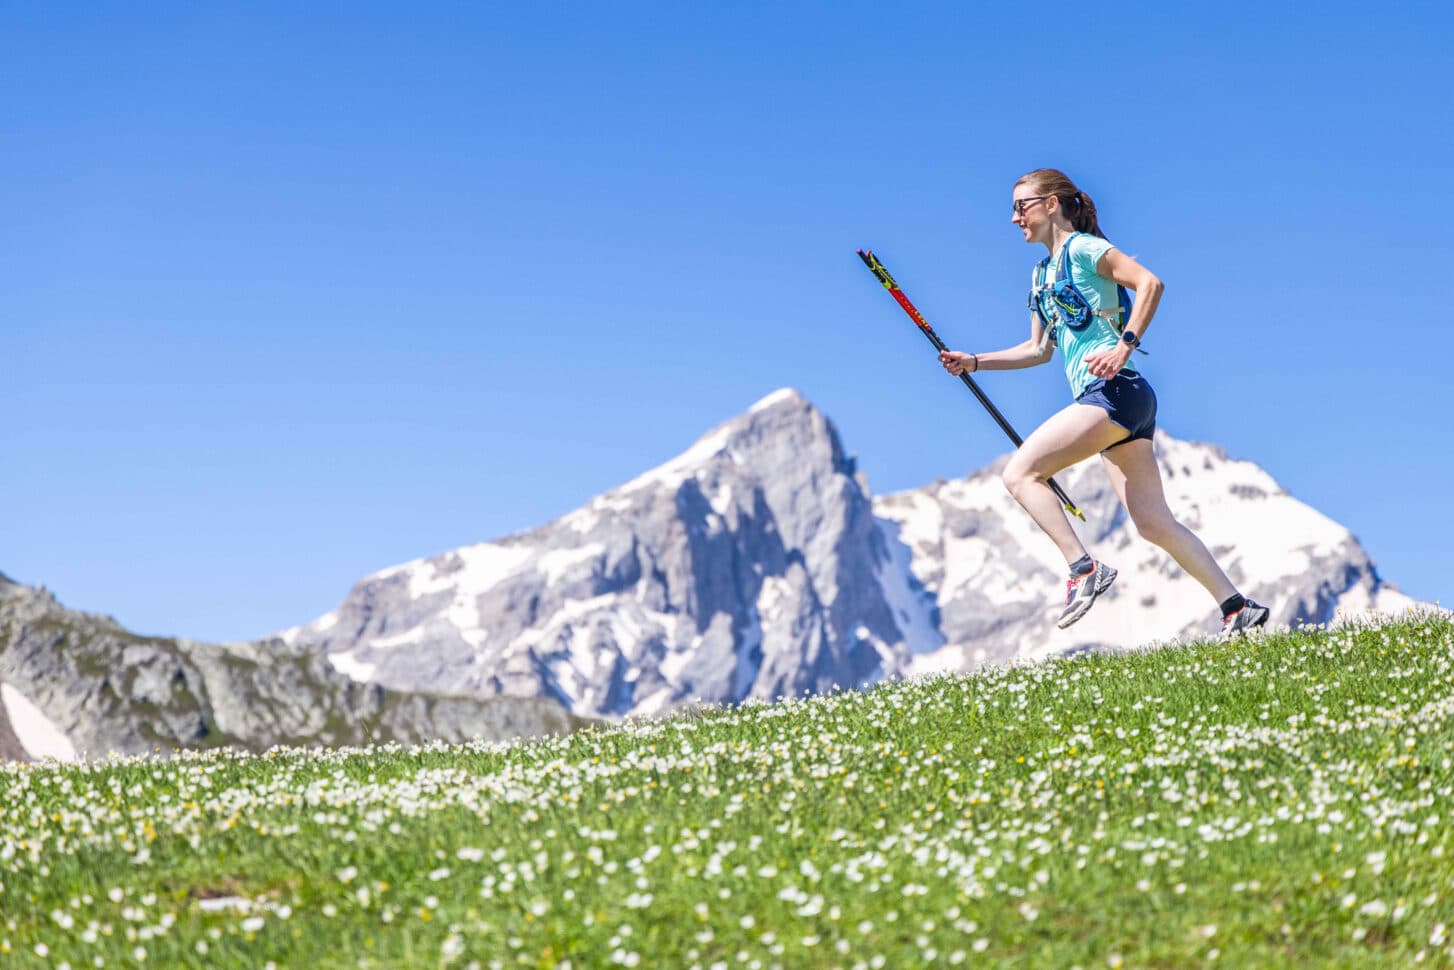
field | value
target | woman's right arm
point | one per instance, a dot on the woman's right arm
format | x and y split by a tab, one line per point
1033	352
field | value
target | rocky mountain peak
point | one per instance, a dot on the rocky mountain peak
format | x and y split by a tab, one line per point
749	565
781	432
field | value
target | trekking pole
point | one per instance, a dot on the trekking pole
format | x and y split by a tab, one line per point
878	270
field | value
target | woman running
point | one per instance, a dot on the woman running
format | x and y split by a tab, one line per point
1076	305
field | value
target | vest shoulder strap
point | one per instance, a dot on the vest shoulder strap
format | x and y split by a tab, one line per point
1037	280
1062	268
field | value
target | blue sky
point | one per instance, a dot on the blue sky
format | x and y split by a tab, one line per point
290	295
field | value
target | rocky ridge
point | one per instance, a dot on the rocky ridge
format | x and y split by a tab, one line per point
105	690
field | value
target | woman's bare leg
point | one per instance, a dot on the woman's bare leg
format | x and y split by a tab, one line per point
1068	436
1136	478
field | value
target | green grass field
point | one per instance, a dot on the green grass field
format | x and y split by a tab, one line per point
1279	801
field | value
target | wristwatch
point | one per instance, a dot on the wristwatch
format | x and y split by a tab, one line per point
1130	339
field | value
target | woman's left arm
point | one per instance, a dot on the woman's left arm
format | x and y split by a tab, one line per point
1116	265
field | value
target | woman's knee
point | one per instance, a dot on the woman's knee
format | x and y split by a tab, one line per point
1009	478
1017	474
1157	529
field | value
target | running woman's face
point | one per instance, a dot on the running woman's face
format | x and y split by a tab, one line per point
1030	211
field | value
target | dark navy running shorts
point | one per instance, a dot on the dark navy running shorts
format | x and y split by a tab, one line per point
1129	400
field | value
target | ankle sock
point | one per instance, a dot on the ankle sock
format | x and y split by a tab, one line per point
1082	566
1234	603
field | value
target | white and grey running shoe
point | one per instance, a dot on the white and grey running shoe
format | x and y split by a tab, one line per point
1249	616
1081	591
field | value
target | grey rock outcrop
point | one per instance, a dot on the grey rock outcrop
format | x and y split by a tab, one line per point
109	690
749	567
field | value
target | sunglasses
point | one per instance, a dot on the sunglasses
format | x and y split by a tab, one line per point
1020	205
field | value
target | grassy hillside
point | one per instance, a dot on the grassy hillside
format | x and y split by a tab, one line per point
1278	801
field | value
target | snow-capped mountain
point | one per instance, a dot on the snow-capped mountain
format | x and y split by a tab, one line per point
756	564
995	575
749	566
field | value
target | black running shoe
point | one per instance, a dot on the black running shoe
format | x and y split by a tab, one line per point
1249	616
1081	591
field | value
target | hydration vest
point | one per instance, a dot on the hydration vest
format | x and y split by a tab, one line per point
1061	303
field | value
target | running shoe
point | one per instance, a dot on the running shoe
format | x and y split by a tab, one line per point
1249	616
1081	591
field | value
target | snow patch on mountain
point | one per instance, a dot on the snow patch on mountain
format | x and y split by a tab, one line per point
37	734
913	611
